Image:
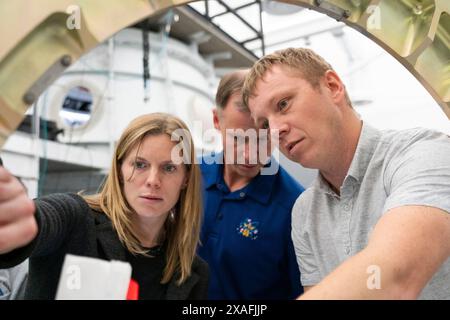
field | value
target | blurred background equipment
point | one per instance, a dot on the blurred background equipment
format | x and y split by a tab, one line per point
83	91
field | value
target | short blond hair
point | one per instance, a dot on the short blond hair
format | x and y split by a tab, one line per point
183	229
305	62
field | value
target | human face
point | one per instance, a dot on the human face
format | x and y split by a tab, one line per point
151	181
240	139
308	120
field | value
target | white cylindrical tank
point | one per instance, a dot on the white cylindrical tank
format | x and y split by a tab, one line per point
181	83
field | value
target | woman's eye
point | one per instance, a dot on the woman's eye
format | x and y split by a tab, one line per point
170	168
140	165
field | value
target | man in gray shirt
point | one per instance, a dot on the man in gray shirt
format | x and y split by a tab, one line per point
376	222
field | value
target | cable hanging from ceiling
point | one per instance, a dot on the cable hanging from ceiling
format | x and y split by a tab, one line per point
146	60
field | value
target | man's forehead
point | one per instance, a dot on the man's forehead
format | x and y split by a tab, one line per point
264	81
258	82
276	70
259	101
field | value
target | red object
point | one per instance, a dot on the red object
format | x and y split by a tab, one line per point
133	290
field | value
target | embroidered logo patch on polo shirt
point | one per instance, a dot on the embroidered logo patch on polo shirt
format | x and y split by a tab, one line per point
248	228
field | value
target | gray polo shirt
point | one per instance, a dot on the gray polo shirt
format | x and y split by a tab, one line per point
390	169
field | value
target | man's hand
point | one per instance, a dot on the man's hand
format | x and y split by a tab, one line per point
408	245
18	225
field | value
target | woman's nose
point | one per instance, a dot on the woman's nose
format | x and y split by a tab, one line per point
153	178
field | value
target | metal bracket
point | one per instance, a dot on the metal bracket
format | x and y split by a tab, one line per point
46	79
337	13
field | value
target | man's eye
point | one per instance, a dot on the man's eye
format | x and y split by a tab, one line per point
282	104
140	165
170	168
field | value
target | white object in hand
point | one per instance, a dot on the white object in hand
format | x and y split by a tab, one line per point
84	278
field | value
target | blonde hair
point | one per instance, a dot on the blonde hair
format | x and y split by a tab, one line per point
308	64
183	228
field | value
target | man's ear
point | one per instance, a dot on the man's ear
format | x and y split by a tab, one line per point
216	119
334	84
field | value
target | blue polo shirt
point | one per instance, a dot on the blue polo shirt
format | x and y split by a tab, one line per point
246	236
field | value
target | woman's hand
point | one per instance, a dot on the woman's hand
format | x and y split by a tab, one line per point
18	225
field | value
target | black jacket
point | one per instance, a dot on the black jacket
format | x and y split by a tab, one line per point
67	225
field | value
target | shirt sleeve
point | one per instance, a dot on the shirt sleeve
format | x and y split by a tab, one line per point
56	216
309	271
420	176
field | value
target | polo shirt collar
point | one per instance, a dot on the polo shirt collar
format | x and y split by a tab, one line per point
365	149
368	141
260	188
212	174
321	184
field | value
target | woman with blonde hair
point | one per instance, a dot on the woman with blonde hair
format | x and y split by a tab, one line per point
148	213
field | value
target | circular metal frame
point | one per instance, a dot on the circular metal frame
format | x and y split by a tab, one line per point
35	51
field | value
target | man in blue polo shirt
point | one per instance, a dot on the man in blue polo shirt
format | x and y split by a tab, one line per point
246	232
